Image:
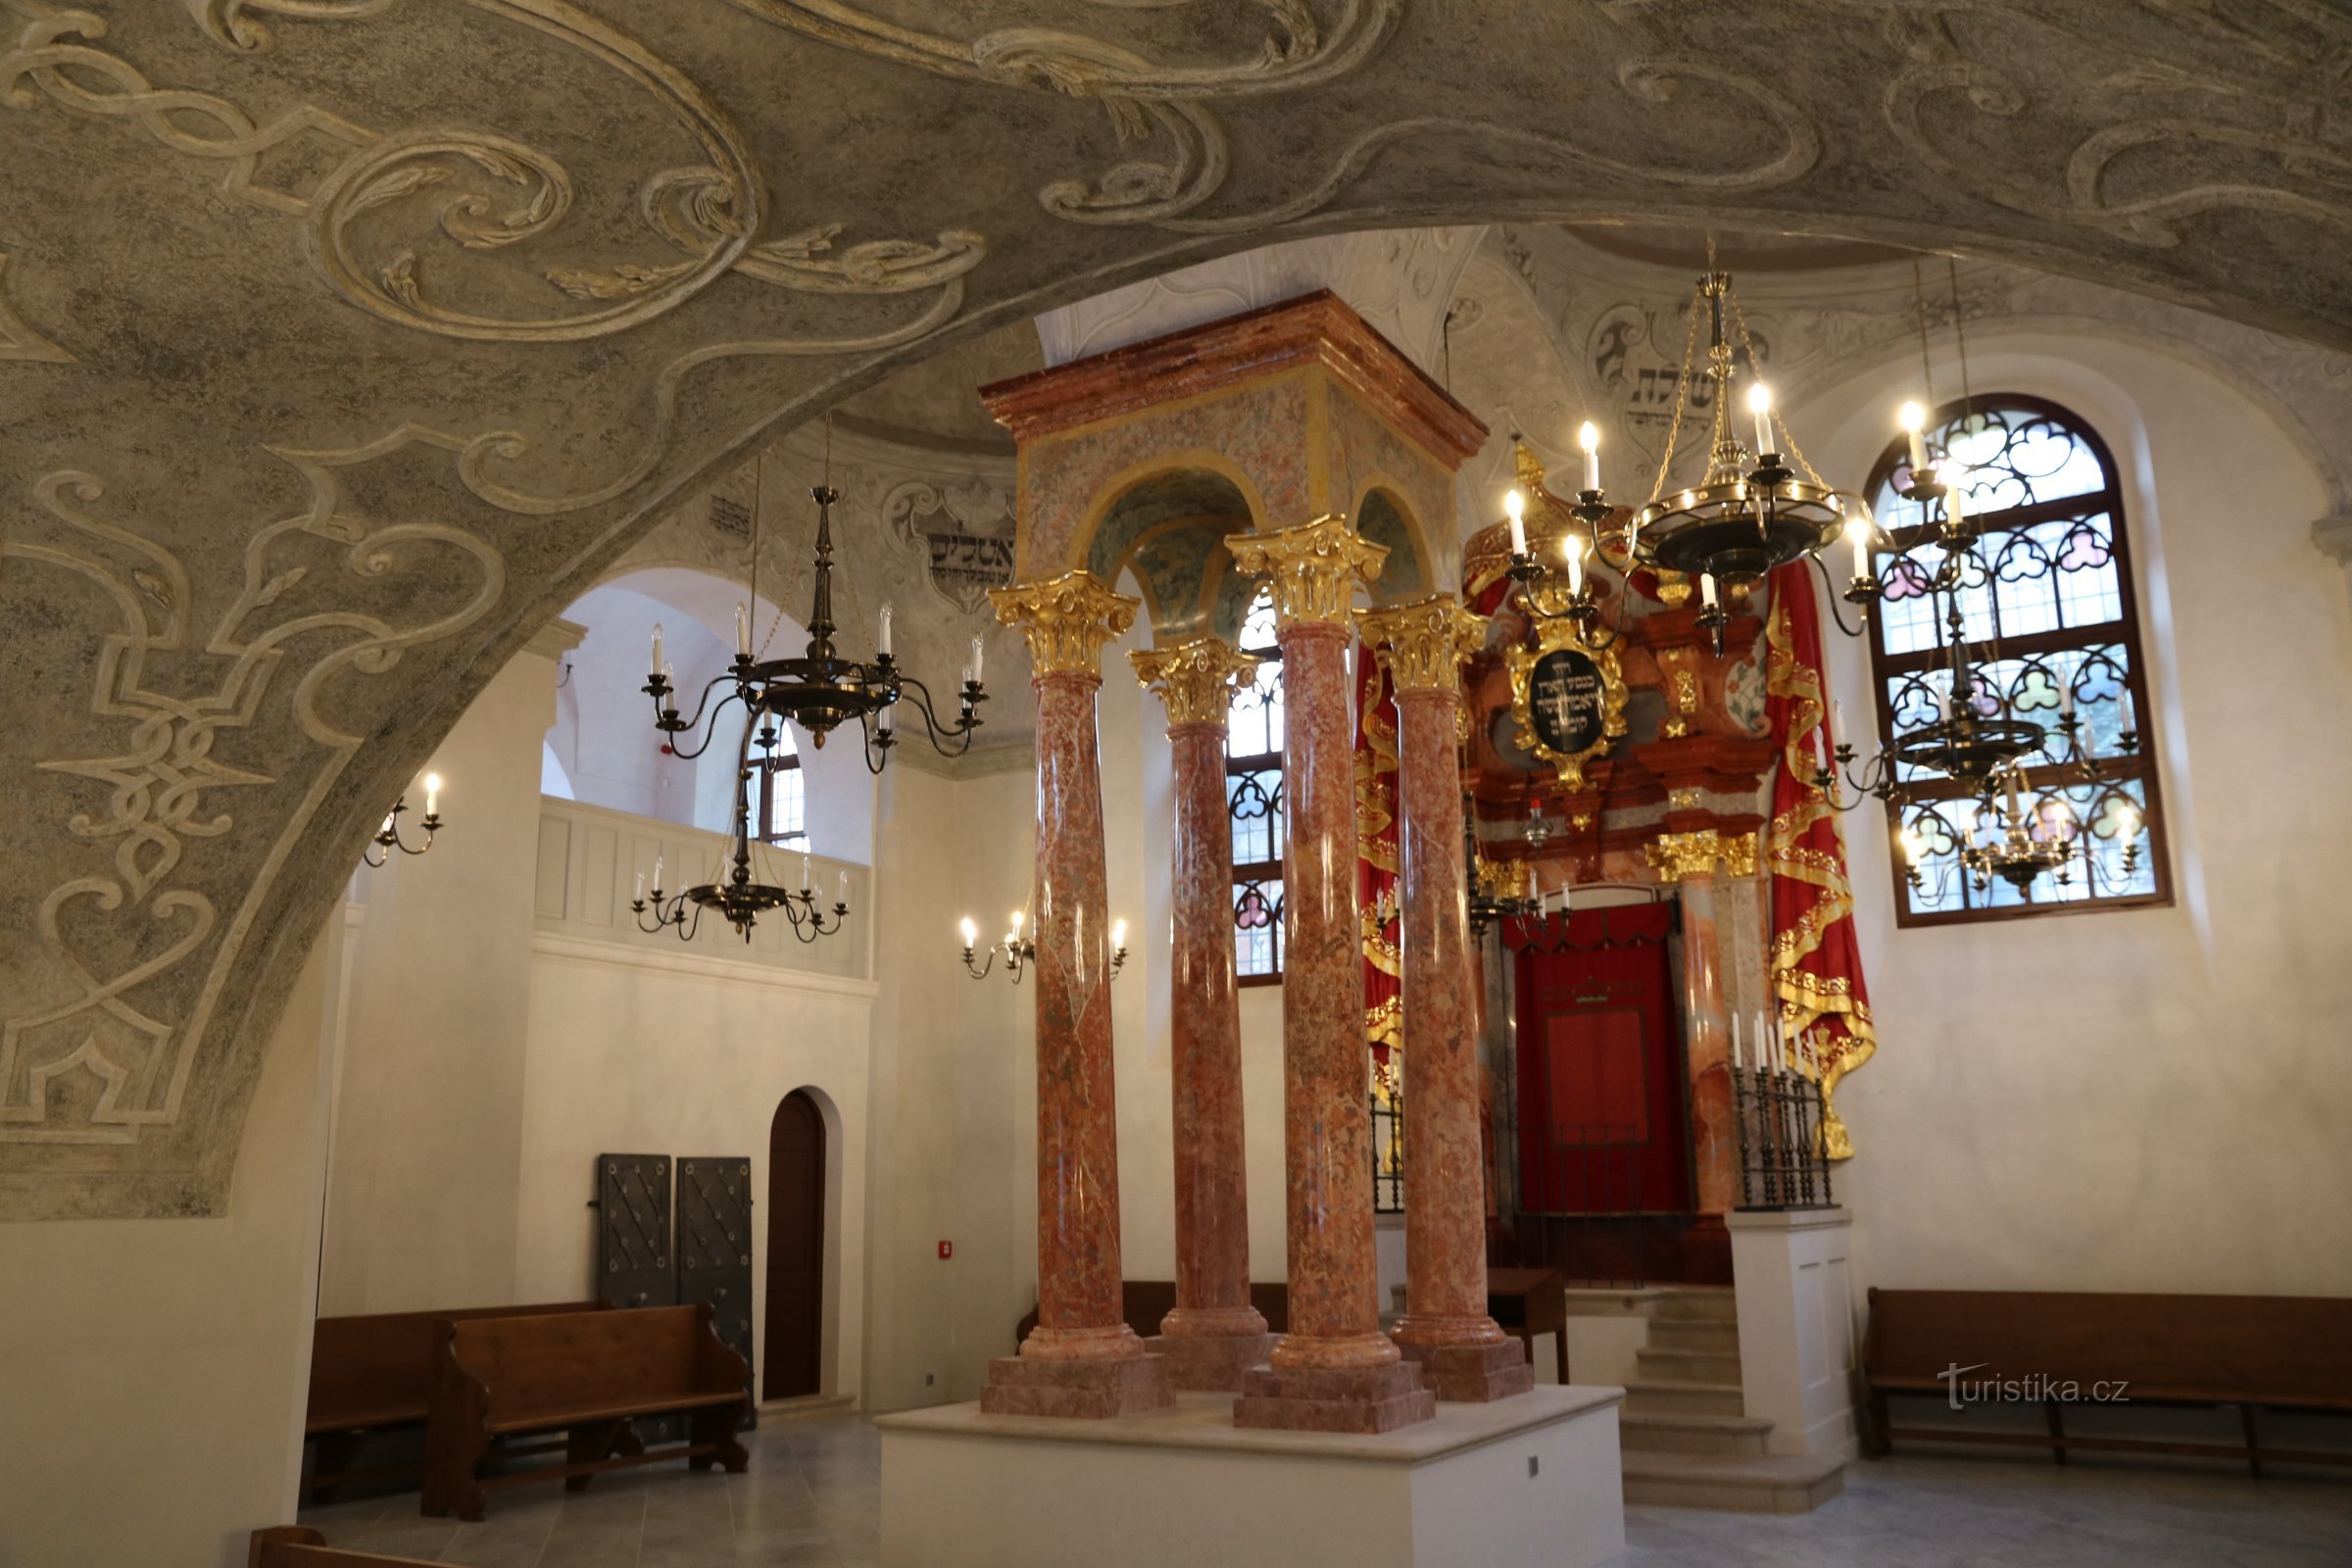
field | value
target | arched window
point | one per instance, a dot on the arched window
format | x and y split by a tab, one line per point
1253	792
783	792
2049	615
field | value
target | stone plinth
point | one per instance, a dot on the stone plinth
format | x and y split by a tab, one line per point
1355	1399
1532	1483
1211	1363
1472	1374
1086	1390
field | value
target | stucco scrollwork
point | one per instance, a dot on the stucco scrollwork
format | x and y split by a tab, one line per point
2143	159
485	191
165	786
19	341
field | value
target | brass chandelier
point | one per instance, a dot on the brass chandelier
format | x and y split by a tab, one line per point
1747	513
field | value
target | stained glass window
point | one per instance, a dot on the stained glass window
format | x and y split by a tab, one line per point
2048	611
1253	792
783	789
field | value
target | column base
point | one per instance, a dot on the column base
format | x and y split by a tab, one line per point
1092	1390
1212	1363
1474	1374
1366	1398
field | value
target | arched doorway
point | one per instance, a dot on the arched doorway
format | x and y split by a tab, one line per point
796	1250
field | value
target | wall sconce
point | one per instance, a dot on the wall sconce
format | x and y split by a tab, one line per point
388	837
1020	950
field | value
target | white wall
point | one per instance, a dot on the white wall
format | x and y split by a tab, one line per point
154	1371
2147	1099
428	1147
637	1051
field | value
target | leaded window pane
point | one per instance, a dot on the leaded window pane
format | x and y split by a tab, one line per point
2048	619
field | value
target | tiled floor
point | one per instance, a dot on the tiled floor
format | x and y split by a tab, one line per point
814	1496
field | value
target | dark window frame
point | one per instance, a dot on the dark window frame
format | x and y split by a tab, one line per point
767	769
1249	872
2124	630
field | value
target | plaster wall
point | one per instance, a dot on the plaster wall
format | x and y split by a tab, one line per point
2147	1099
426	1165
629	1051
154	1370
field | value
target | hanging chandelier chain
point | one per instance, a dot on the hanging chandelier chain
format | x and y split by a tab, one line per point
1681	396
1919	314
1968	398
1788	445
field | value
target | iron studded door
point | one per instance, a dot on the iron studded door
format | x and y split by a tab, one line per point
635	1262
714	1251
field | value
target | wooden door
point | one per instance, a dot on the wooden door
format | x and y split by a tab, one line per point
795	1251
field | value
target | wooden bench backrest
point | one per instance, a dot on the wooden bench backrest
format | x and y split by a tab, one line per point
591	1359
2297	1346
384	1360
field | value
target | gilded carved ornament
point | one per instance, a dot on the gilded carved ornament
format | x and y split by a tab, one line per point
1195	679
1424	643
1608	694
1676	856
1067	621
1314	568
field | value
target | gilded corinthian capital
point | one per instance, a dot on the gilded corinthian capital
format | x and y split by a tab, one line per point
1195	679
1068	619
1314	568
1424	642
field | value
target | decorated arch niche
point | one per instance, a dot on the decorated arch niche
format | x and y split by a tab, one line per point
1169	527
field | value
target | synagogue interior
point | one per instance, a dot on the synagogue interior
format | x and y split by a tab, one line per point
1355	782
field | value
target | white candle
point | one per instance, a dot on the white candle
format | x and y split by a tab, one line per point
2126	824
656	873
979	661
2013	807
1858	532
2123	716
2066	698
639	887
1574	548
1759	403
1837	716
1017	916
657	665
1515	505
886	719
882	637
1914	420
1587	438
971	933
1118	936
743	633
1943	703
1953	512
842	897
432	794
807	870
1765	1041
1736	1062
1706	589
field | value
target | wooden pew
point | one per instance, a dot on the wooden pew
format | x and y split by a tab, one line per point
301	1546
2286	1352
587	1375
374	1373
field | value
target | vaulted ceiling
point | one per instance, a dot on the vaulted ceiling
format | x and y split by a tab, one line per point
342	340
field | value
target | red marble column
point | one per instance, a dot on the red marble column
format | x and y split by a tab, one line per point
1214	1335
1334	1370
1688	859
1082	1359
1446	1325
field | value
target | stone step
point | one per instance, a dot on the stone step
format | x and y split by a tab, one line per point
1695	1334
1666	1365
1740	1434
1707	1303
1683	1398
1781	1483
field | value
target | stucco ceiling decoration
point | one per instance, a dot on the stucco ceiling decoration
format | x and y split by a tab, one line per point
365	332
